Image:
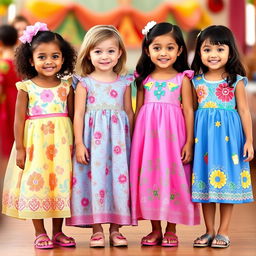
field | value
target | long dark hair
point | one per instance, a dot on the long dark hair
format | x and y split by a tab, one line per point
145	66
24	54
219	35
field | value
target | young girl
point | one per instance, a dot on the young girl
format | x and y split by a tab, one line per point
223	133
103	115
38	185
163	136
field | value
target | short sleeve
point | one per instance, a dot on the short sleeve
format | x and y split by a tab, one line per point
128	79
76	79
189	74
22	86
241	78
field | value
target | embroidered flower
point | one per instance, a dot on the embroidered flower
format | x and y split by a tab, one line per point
36	110
35	182
122	178
48	128
114	119
218	124
52	181
210	104
106	171
89	175
202	92
51	152
224	92
113	93
59	169
98	135
91	99
90	122
62	93
74	181
102	193
54	108
117	150
218	179
85	202
46	95
245	179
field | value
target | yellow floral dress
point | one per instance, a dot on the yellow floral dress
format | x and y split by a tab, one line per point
42	189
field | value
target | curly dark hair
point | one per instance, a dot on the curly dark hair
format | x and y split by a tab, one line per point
145	66
24	54
8	35
219	35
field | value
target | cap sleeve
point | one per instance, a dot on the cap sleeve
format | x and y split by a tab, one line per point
76	79
188	73
241	78
128	79
22	86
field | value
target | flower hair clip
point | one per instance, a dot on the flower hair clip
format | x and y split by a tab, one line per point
31	31
146	29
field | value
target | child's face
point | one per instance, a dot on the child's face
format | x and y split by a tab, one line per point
105	55
47	59
163	51
213	56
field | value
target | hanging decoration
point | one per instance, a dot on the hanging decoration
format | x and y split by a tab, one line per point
215	5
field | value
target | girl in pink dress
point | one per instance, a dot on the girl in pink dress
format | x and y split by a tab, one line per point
163	136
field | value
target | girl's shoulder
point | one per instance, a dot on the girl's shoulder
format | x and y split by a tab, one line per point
127	79
24	85
241	78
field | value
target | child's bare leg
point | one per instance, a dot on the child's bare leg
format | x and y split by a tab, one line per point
40	229
169	236
57	232
209	210
225	218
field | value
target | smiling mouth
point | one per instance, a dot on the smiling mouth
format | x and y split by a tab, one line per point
163	59
213	61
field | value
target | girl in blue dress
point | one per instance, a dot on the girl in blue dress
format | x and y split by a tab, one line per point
223	133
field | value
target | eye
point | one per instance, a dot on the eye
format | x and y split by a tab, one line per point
206	50
97	51
41	57
221	49
111	51
170	48
55	56
156	48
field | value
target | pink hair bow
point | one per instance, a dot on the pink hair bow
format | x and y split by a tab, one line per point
31	31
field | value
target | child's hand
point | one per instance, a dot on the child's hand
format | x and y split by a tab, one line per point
20	158
82	154
248	151
186	153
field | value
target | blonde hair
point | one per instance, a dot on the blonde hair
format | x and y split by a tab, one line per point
93	37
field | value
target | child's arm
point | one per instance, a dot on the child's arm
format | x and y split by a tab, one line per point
139	101
70	103
243	110
19	124
195	100
82	155
128	107
187	102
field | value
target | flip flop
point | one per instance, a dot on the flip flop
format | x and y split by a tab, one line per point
56	242
170	236
149	236
206	237
221	238
39	246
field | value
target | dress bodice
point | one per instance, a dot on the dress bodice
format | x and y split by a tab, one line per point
104	95
215	94
45	100
165	91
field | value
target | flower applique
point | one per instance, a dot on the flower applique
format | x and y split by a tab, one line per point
159	92
172	87
148	86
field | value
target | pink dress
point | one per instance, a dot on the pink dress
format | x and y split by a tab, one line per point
160	183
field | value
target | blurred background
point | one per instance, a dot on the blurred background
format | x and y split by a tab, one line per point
73	18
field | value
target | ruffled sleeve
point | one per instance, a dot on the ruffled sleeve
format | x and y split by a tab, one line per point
76	79
189	74
128	79
22	86
239	78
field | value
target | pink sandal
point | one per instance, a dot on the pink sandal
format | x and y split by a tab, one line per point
116	239
97	240
149	236
170	236
45	246
56	242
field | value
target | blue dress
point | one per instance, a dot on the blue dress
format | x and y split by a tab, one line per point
100	191
220	174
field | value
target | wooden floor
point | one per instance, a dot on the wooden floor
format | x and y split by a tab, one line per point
16	238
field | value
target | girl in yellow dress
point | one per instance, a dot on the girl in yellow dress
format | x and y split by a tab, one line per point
38	177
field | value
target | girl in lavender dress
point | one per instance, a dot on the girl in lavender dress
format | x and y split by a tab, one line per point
103	117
